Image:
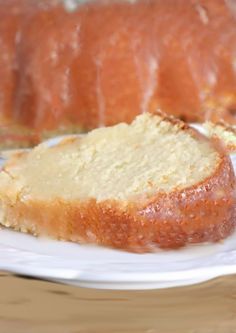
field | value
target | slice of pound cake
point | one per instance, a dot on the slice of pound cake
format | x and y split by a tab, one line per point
224	132
154	183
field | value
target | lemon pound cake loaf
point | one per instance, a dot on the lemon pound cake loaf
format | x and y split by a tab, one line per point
154	183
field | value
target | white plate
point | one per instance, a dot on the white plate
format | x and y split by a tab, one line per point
98	267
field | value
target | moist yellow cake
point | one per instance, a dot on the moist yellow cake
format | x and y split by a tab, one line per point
154	183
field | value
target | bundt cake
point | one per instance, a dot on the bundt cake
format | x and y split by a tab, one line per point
69	66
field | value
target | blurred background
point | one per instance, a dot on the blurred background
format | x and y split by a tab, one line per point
70	66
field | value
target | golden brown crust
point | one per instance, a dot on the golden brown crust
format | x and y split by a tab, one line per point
201	213
226	126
